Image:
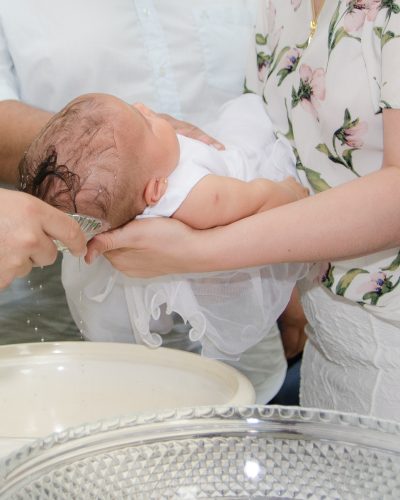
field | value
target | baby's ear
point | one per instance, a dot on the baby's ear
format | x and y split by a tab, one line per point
155	188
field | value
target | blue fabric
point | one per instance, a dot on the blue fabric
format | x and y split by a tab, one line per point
288	394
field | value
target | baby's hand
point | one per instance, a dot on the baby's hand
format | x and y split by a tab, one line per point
298	191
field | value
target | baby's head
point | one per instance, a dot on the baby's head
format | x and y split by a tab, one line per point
102	157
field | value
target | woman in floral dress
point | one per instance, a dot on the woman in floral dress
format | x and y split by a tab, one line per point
334	93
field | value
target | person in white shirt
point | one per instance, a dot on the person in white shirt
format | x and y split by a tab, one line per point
52	51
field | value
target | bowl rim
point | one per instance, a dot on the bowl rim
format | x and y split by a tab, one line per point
292	422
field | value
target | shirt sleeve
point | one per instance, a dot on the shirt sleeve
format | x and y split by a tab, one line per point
8	80
388	34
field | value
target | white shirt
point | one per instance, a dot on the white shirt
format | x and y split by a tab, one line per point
161	52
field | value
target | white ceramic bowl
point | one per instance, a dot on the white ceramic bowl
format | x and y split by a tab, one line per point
233	453
47	387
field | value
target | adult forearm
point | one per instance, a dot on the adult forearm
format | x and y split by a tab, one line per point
19	124
358	218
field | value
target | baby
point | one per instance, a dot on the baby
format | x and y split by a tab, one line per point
100	156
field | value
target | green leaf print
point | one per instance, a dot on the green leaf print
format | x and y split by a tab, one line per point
261	39
328	279
314	178
339	35
394	265
316	181
383	33
283	73
323	148
246	89
348	158
350	134
295	98
392	7
332	24
277	60
373	297
289	134
346	280
387	37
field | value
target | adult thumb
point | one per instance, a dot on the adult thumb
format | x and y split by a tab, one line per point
102	243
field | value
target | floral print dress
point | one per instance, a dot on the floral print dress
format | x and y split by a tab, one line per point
326	97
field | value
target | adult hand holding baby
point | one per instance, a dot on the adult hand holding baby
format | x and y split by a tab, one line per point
147	258
190	130
28	227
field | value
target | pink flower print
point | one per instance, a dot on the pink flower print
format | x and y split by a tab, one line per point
351	132
375	283
373	9
296	4
359	11
378	285
353	135
312	89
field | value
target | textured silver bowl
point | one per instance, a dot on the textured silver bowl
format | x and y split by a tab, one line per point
213	452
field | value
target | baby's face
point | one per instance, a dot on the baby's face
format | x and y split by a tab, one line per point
160	146
144	134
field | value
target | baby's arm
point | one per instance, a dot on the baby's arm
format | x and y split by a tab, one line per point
217	200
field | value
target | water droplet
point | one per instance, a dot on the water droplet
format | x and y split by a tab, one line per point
28	321
36	329
42	339
40	286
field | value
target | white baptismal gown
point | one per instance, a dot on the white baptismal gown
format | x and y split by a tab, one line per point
229	312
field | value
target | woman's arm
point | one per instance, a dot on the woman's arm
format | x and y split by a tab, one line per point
357	218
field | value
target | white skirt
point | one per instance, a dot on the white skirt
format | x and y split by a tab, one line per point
351	361
232	315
